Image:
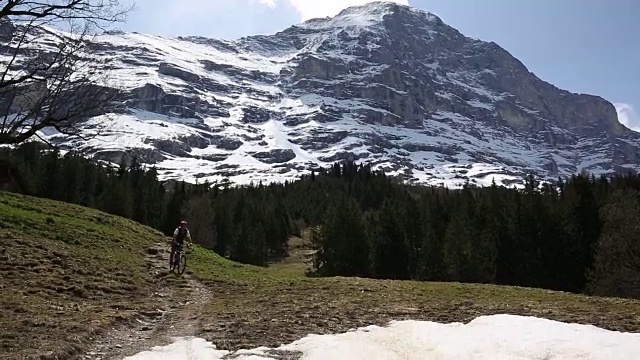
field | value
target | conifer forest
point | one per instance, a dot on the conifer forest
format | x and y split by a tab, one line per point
580	234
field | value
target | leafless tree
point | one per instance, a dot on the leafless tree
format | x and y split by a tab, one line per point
48	76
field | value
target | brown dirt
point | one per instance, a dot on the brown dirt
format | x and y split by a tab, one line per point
237	307
271	312
177	316
68	273
244	317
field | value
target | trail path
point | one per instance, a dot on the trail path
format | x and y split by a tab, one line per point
262	319
176	315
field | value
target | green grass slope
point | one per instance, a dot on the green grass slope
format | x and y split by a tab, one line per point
68	272
255	306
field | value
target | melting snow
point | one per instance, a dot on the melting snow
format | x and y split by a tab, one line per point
134	130
496	337
234	75
363	16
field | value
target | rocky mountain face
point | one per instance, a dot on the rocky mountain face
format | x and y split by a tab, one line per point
381	83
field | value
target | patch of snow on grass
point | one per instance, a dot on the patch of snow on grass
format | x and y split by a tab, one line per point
187	348
495	337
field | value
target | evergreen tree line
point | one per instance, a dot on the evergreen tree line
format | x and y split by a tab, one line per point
248	225
579	235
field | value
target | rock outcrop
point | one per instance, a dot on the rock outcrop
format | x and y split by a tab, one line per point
382	83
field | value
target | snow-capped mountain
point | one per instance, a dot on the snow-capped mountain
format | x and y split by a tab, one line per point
382	83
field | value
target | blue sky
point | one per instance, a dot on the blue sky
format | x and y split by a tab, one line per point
584	46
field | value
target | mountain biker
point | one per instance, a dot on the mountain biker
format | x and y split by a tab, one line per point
179	235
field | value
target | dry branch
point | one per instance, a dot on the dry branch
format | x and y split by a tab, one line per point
48	76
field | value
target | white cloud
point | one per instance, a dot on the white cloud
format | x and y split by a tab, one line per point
309	9
269	3
628	116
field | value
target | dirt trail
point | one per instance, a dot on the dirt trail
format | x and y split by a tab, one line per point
176	315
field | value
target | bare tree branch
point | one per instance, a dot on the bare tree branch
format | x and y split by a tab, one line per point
50	79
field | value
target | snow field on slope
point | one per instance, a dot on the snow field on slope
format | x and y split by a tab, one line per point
495	337
493	152
276	137
137	129
138	63
366	15
134	130
185	55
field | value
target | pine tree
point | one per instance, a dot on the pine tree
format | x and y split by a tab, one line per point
458	247
72	174
173	213
616	270
389	244
344	249
198	210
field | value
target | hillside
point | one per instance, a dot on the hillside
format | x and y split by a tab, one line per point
78	281
383	83
69	273
280	305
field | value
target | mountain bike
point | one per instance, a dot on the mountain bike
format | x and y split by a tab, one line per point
178	259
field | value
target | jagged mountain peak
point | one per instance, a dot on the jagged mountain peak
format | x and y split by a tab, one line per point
379	9
370	16
382	83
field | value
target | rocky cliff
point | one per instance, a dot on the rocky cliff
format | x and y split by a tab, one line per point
382	83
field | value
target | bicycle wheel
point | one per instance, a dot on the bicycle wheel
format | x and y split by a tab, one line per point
182	264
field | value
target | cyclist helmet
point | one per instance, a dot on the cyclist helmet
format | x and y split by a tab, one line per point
183	223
